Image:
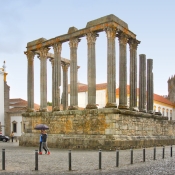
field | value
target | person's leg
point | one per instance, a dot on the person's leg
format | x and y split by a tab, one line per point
12	139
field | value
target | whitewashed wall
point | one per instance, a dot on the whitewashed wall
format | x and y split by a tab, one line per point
18	120
2	99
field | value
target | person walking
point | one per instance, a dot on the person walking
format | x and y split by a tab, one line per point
12	136
41	144
44	142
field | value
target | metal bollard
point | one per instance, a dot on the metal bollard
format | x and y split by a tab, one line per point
131	156
70	165
3	159
99	158
163	153
117	158
143	154
36	160
154	153
171	151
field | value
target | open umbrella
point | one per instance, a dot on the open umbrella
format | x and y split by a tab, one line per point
41	127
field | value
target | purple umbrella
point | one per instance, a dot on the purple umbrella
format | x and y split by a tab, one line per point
41	127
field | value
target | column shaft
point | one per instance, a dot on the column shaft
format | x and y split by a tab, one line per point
73	74
122	71
65	86
43	79
30	81
111	68
133	73
91	71
57	76
150	85
142	83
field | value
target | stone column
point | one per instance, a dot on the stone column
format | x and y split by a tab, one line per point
150	86
91	71
111	68
65	67
52	63
142	83
57	76
122	71
73	43
30	80
43	79
133	43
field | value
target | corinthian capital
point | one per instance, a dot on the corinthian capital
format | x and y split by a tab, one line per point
74	42
91	37
65	67
133	43
111	32
43	52
123	38
57	47
29	54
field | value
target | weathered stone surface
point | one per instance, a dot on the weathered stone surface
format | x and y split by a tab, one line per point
99	128
34	42
105	19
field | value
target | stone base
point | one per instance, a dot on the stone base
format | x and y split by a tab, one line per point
123	107
111	105
150	112
91	106
142	110
96	142
56	108
134	109
30	110
73	108
43	110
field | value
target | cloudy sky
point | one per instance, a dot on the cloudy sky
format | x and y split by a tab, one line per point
22	21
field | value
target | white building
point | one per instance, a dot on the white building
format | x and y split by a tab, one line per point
161	104
2	101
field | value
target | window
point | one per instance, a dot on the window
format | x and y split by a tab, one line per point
163	111
154	108
167	112
170	114
159	108
14	126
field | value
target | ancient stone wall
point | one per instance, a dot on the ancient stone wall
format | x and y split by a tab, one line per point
99	128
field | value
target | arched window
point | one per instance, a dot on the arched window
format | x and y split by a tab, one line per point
167	112
154	108
170	114
14	126
163	111
159	108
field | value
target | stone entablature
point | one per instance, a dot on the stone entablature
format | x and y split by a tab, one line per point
98	128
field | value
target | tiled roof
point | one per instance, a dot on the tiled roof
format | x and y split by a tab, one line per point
157	97
19	105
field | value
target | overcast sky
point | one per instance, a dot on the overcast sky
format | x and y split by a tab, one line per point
22	21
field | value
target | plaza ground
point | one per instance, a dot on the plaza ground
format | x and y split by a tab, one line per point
21	160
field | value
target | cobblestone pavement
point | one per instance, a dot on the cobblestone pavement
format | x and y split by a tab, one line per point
21	160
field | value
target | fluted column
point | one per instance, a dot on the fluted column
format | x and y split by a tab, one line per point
142	83
91	71
133	43
111	68
30	80
52	63
57	76
122	71
150	87
73	43
43	78
65	67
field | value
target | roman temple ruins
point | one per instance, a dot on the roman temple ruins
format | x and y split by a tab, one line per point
116	125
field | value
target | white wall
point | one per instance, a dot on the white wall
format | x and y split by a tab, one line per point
18	120
2	99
